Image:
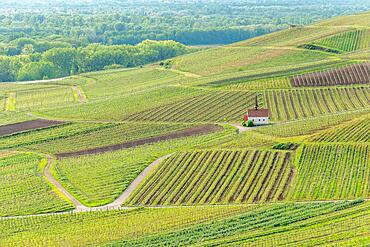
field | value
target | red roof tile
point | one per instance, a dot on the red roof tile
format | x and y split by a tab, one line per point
258	113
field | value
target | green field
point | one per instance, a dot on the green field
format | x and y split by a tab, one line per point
233	59
119	107
213	106
117	83
23	189
311	125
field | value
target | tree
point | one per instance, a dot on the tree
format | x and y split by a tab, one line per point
37	71
7	72
64	59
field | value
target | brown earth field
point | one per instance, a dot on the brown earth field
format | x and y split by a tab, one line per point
10	129
197	130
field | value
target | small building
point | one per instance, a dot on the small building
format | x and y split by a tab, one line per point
258	116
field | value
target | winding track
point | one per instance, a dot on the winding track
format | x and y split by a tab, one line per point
116	204
54	182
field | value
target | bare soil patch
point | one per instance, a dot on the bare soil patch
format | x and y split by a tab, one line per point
10	129
198	130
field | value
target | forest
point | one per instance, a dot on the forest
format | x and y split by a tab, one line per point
34	64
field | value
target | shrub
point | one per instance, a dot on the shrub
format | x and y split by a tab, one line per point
285	146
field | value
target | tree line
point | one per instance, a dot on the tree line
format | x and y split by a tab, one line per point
114	22
65	61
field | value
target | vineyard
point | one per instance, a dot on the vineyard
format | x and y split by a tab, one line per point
22	188
292	37
238	59
343	228
83	136
250	226
159	154
226	106
303	103
191	225
351	74
332	171
310	125
357	130
122	106
67	228
98	179
210	177
261	84
217	106
44	98
115	83
347	41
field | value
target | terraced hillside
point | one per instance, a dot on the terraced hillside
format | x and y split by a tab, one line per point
156	155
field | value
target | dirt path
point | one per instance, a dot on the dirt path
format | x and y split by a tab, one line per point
37	81
123	197
187	74
241	128
27	125
197	130
10	102
54	182
116	204
80	95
